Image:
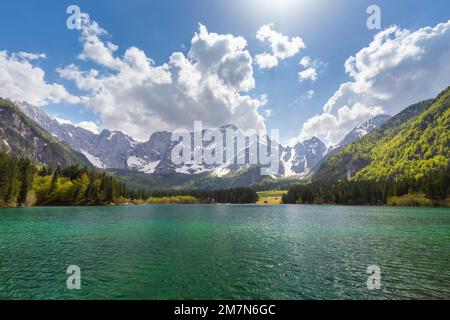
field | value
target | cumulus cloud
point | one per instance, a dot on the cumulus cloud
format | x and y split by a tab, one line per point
266	61
308	74
88	125
93	47
282	46
62	121
210	83
311	69
305	62
398	68
22	81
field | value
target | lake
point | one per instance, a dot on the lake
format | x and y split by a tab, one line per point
225	252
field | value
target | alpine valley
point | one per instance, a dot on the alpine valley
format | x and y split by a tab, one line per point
367	152
148	164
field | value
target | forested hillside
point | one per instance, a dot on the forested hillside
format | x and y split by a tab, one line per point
22	137
23	183
404	162
413	144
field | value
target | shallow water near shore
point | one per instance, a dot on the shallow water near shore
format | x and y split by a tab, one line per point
225	252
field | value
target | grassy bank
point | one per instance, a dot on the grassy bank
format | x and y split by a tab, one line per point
270	197
417	200
173	200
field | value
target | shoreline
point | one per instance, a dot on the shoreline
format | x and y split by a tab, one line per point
217	204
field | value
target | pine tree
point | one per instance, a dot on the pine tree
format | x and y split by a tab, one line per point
26	177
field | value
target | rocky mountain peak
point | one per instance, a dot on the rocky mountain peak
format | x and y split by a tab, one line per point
360	131
116	150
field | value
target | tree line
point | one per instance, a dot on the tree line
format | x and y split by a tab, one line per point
24	183
435	188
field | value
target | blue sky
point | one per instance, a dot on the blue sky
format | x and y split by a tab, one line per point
331	30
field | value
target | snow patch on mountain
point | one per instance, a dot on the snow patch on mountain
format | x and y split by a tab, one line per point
114	149
61	121
94	160
111	135
360	131
221	171
194	168
142	165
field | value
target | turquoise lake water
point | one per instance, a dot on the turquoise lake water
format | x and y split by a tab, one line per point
225	252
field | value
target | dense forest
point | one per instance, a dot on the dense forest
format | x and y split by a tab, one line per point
23	183
412	144
426	190
406	161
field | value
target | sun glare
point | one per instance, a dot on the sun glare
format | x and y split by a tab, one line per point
284	8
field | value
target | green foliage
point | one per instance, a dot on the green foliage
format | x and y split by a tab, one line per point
433	190
139	180
421	148
9	180
409	154
272	193
173	200
235	195
21	137
15	180
272	197
410	200
248	176
25	176
413	144
23	183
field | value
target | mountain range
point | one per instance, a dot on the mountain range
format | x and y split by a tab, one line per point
119	152
411	143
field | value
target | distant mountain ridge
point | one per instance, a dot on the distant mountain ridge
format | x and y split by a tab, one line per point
412	143
115	150
150	162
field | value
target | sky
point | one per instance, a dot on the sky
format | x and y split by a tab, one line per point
305	67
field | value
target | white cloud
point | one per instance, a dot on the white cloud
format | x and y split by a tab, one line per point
311	69
333	127
93	47
88	125
62	121
398	68
266	61
133	95
308	74
282	46
305	61
29	55
22	81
